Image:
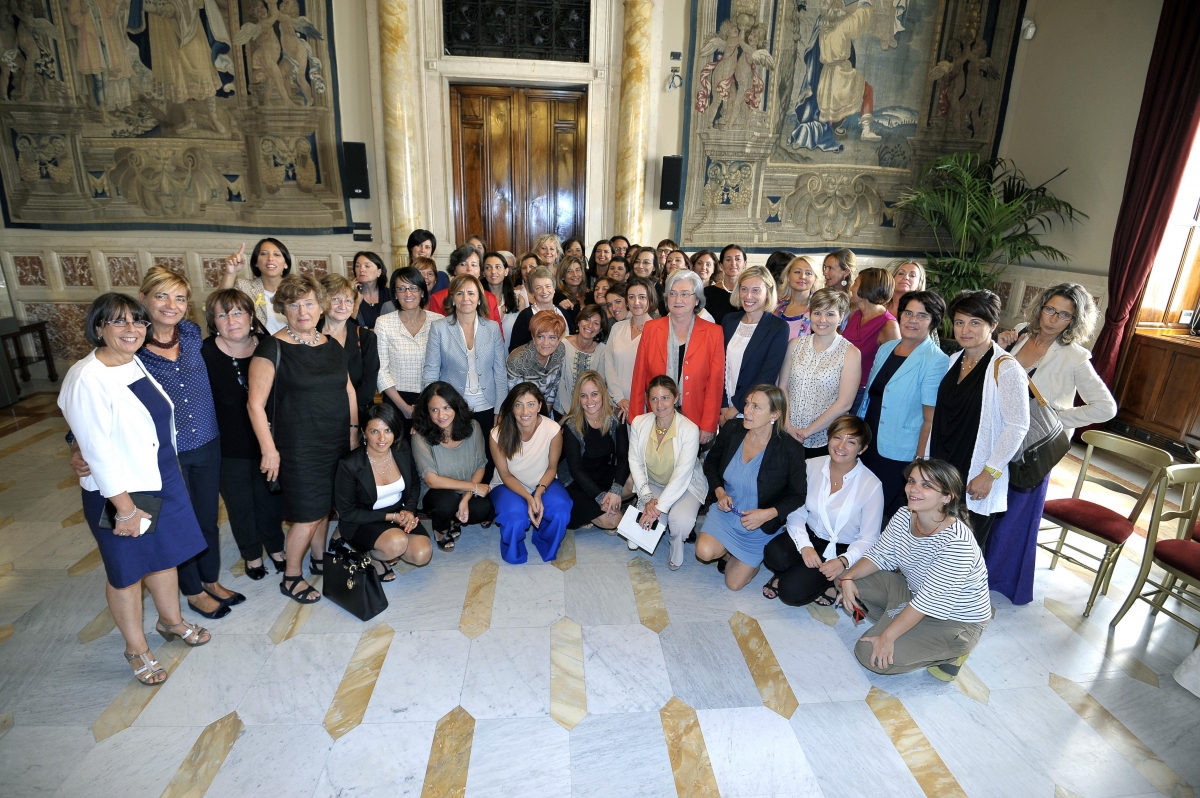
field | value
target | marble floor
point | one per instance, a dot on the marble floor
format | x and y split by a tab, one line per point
602	674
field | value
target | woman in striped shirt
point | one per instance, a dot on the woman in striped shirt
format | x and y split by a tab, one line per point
923	583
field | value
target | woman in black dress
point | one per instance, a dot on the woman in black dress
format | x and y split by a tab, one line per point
595	461
360	344
313	421
255	514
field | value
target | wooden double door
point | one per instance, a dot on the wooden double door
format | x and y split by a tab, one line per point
519	157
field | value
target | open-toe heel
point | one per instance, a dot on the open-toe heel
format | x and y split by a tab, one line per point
309	595
189	633
445	543
280	565
148	673
771	591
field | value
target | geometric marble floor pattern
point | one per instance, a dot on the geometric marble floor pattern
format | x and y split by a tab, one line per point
603	674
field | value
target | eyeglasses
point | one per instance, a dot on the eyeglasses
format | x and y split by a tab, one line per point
681	295
306	305
141	325
407	289
908	314
1057	315
235	315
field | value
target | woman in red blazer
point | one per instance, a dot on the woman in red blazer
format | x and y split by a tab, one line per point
700	371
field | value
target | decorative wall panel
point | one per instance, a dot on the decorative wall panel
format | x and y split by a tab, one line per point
30	270
807	118
123	271
65	327
213	115
548	30
76	270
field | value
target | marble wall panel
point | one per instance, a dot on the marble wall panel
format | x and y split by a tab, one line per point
76	270
1031	293
172	262
212	271
30	270
123	271
314	267
1004	291
65	326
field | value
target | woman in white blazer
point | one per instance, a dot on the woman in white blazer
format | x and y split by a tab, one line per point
123	422
982	410
1048	347
466	349
668	476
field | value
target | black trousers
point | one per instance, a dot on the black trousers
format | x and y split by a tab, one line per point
891	474
410	398
442	504
798	584
255	514
486	420
202	475
981	525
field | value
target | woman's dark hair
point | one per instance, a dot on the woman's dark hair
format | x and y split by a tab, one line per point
935	306
982	304
875	286
111	307
388	415
651	293
418	237
411	275
592	258
226	300
947	481
567	244
507	295
851	424
778	262
586	312
509	436
460	254
381	281
662	381
726	249
287	256
423	424
624	265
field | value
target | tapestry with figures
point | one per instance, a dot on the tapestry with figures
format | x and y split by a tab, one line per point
170	114
808	118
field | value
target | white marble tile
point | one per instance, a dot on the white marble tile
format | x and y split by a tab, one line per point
255	616
132	762
475	544
76	684
751	601
1089	766
58	551
35	760
209	683
508	674
754	752
600	594
817	666
824	731
1002	663
696	592
1054	645
426	598
22	591
621	756
593	547
74	602
22	537
706	666
274	760
624	670
379	759
422	677
297	682
23	662
1167	719
519	758
532	594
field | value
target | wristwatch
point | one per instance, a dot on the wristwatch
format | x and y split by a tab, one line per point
995	472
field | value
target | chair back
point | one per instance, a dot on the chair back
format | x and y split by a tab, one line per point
1142	453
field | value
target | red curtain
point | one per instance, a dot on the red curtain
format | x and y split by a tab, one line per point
1166	126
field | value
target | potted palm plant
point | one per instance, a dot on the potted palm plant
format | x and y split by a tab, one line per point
984	215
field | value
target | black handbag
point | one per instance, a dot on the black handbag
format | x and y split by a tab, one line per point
146	502
351	582
1045	443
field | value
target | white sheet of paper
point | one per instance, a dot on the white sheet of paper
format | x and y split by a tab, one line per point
631	529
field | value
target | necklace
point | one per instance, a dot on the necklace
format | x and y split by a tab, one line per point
152	341
380	466
300	340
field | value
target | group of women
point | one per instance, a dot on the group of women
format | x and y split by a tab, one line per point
813	407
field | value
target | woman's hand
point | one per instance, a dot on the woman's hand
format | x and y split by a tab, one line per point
753	519
1007	338
78	464
235	262
810	557
535	508
797	433
831	569
567	304
650	513
979	487
706	436
611	503
406	521
728	413
883	648
724	501
849	593
131	527
464	511
623	410
406	409
269	465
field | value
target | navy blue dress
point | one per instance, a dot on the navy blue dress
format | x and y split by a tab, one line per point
177	537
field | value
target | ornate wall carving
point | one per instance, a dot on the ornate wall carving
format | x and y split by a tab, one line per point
807	118
215	115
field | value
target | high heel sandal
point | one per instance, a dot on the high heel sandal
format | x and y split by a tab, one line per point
388	574
455	530
445	543
148	673
280	565
310	595
192	635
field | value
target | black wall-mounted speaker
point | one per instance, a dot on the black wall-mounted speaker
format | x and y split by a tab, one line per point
670	193
356	181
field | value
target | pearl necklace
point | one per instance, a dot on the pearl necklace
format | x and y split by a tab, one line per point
300	340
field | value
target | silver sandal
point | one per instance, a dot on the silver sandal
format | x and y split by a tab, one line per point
148	673
191	636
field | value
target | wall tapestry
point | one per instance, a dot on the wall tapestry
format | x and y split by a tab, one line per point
807	118
216	115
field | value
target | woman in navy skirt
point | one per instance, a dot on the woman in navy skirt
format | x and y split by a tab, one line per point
122	421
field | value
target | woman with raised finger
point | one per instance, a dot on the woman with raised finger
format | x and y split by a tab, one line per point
755	340
269	262
802	281
595	455
123	424
305	415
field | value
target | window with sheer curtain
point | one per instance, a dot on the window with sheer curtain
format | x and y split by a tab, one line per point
1173	290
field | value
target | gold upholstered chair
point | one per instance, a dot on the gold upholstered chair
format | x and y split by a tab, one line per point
1095	521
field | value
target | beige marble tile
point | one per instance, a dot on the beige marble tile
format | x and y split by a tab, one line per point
449	755
6	568
970	685
1123	741
238	568
914	747
130	702
568	692
651	609
31	439
826	615
1063	792
6	723
768	677
566	552
86	563
690	764
354	693
6	485
208	753
68	482
6	631
1098	639
73	519
6	521
481	595
293	617
98	627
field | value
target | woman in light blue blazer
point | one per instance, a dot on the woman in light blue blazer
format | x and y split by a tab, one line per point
466	349
901	393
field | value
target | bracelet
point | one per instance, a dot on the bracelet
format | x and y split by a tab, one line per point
126	517
845	562
353	426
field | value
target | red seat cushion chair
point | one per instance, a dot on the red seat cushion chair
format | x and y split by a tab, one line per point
1091	517
1182	555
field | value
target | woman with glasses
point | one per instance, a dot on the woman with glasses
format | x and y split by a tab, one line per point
1049	347
270	262
359	343
402	341
255	514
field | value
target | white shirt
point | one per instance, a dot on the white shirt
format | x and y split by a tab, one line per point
474	391
574	364
735	350
853	516
389	494
620	354
275	322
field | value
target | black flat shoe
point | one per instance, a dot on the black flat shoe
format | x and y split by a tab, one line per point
234	600
721	565
257	572
691	538
280	565
315	567
220	612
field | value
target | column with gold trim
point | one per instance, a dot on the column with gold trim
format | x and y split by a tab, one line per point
634	110
400	64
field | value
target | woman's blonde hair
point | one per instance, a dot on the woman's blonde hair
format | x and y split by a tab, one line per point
575	416
922	283
295	287
563	265
1084	323
768	280
160	277
785	290
558	247
847	261
335	284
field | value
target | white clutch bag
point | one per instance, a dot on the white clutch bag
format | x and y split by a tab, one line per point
631	529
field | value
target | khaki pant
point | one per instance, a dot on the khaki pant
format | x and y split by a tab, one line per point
930	642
